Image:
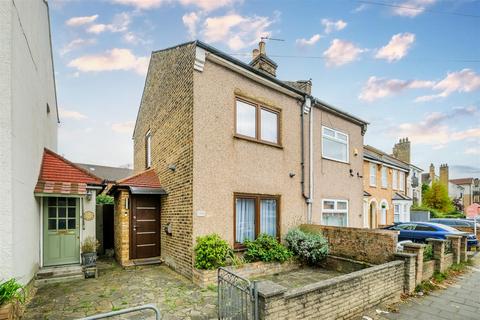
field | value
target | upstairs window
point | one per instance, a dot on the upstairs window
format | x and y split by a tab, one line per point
384	177
401	180
257	122
334	145
395	180
148	150
373	174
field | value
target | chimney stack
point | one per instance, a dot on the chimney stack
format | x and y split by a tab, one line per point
401	150
444	175
432	172
261	62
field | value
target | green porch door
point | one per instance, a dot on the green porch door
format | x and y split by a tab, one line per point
61	231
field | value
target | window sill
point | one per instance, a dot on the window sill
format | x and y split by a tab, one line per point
336	160
372	186
237	136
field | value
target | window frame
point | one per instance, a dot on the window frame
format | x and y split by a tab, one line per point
401	180
258	122
394	179
383	170
148	149
257	197
335	209
335	139
396	213
372	165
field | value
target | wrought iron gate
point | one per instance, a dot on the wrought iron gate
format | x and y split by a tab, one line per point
237	297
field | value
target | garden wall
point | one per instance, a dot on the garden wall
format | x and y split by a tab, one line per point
368	245
428	269
469	230
342	297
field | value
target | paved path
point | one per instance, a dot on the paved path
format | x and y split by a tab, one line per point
459	301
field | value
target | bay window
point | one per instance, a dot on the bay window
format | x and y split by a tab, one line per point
334	145
335	212
254	215
257	122
396	213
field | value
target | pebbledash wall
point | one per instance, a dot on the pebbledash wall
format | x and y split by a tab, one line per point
27	85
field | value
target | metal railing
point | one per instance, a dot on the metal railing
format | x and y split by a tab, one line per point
237	297
125	311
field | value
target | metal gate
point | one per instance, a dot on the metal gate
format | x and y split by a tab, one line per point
237	297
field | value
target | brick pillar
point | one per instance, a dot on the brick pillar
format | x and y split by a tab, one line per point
416	248
438	246
409	282
456	245
271	303
463	249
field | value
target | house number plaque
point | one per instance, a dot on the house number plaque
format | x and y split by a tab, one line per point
88	215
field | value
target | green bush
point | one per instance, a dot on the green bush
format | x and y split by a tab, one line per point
309	247
266	248
104	199
11	290
211	252
428	253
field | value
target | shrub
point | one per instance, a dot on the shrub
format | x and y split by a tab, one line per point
211	252
11	290
89	245
104	199
428	253
266	248
309	247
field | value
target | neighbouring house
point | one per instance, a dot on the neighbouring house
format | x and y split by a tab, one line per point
455	190
471	190
385	184
237	152
402	151
28	124
108	174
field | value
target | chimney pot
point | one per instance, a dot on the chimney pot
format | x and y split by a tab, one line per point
261	46
255	53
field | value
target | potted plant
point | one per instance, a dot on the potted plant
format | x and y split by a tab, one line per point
11	293
89	251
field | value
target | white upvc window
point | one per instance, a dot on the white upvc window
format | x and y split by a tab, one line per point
395	179
396	213
335	212
384	177
401	180
334	145
148	149
373	174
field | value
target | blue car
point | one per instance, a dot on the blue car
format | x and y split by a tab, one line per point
421	231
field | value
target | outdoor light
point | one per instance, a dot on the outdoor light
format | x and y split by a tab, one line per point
172	167
89	195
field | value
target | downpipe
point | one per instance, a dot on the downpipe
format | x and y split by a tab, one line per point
306	108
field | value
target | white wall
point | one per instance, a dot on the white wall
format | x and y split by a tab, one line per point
89	229
32	129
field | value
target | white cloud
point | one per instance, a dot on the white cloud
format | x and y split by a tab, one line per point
465	80
190	21
123	127
412	8
377	88
111	60
341	52
120	23
71	114
235	30
331	25
205	5
397	47
473	151
79	21
308	42
75	44
208	5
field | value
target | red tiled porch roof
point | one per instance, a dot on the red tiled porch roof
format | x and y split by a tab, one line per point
145	179
60	176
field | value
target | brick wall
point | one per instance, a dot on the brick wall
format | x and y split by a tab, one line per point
167	111
343	297
428	269
121	227
367	245
469	230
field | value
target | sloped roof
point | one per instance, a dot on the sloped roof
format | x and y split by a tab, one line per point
110	174
60	176
462	181
145	179
399	196
371	153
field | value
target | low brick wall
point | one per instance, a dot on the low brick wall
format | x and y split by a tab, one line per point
343	297
368	245
448	258
428	269
343	265
203	278
469	230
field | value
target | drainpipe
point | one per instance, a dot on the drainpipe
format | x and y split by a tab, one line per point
310	169
306	108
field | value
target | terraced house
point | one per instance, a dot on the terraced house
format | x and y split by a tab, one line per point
239	152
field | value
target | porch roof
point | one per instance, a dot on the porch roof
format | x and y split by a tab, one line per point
399	196
60	176
145	182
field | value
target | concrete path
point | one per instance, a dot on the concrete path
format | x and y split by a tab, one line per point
459	301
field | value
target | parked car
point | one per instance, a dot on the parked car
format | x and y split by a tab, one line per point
455	222
400	244
421	231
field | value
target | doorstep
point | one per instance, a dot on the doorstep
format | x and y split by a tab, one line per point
143	262
56	274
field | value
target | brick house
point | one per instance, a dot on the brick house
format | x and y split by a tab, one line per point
240	152
471	190
385	182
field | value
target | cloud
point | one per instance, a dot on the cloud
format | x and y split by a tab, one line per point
75	44
377	88
465	80
208	5
236	31
397	47
360	8
205	5
412	8
80	21
120	23
473	151
308	42
71	114
111	60
341	52
190	21
331	25
123	127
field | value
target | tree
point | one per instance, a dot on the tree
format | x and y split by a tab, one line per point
436	197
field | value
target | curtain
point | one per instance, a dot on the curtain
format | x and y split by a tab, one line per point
337	219
245	220
268	217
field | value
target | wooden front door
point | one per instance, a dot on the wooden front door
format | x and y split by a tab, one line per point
61	231
145	227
